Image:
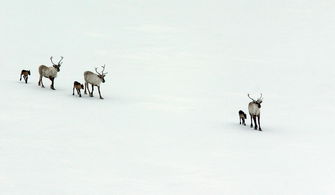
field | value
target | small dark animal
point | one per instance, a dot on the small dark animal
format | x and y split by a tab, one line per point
254	111
77	86
243	116
25	74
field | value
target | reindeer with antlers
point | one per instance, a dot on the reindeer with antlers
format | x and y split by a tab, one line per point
49	72
254	111
94	80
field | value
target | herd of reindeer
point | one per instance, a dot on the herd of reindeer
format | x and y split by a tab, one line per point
95	79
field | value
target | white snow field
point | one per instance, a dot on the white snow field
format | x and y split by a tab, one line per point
178	72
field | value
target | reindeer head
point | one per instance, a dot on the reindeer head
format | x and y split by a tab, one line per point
82	86
102	74
258	101
28	72
57	66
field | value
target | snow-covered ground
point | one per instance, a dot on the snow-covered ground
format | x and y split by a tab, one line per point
179	71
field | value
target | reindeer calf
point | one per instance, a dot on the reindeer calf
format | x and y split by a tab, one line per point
77	86
243	116
25	74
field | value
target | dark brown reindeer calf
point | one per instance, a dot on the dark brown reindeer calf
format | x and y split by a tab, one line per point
242	116
25	74
78	86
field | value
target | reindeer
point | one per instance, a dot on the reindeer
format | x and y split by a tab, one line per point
242	116
94	80
254	111
77	86
49	72
25	74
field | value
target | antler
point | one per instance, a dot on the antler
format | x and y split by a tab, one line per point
250	97
52	61
102	72
103	69
60	61
96	70
261	96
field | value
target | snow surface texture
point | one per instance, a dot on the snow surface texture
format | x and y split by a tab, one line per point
179	71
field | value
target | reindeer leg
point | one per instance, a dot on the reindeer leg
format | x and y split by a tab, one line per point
78	91
240	120
251	121
26	79
254	117
52	83
100	93
41	82
73	91
259	124
88	89
85	88
92	90
20	77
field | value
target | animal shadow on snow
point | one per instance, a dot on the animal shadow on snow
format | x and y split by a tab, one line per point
236	126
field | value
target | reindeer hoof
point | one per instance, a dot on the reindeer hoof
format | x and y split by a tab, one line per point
101	98
260	129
